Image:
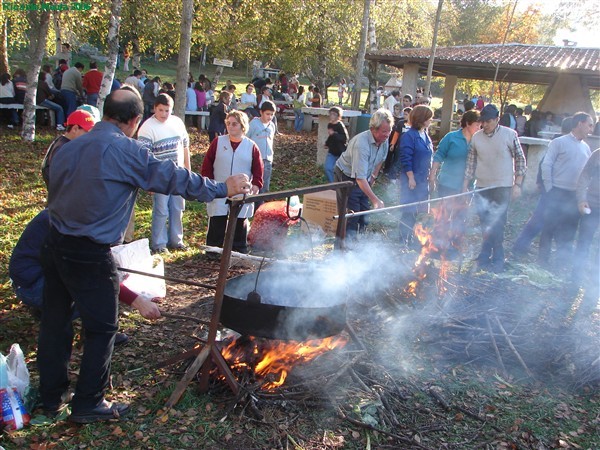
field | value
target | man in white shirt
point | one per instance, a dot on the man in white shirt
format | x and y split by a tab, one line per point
167	137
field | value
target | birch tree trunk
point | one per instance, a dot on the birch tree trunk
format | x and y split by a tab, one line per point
4	67
135	51
372	100
113	52
218	73
183	60
438	15
39	22
360	61
57	33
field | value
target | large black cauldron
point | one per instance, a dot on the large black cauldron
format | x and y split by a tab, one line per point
294	305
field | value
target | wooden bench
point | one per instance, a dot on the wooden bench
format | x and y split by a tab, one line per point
203	115
37	107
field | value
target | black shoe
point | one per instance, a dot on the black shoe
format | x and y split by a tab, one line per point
106	411
121	339
160	251
181	247
53	412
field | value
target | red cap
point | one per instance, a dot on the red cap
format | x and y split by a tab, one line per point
82	118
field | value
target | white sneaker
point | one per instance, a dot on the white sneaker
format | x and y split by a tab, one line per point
60	128
10	126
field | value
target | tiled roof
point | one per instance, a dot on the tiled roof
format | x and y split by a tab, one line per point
523	62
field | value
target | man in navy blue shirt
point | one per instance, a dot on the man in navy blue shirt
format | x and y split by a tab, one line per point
92	190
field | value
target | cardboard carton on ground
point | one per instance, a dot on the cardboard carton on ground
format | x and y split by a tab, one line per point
319	209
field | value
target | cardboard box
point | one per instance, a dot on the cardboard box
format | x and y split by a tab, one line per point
319	209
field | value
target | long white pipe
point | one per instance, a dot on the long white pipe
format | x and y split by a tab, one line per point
422	202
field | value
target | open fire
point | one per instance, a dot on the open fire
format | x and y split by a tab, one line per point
270	361
440	240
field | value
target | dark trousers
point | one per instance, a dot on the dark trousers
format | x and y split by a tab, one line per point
217	226
70	101
148	110
492	209
588	225
14	117
560	223
357	201
532	228
79	273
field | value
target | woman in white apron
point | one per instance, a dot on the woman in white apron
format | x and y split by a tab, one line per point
228	154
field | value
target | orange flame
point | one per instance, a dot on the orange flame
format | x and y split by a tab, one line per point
439	239
273	360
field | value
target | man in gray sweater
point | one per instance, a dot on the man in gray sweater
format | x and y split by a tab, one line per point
72	87
496	161
563	163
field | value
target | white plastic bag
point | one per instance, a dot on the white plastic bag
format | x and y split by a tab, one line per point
14	384
18	374
136	256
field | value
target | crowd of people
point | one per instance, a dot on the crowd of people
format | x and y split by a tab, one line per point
140	144
484	156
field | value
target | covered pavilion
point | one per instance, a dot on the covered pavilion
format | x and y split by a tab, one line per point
569	72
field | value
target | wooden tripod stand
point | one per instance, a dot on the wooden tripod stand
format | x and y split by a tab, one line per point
209	354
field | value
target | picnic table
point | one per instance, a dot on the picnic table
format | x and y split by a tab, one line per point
203	118
51	115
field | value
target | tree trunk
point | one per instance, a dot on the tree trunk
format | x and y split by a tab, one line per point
371	103
4	67
218	73
183	60
360	62
38	34
113	52
438	15
135	51
57	33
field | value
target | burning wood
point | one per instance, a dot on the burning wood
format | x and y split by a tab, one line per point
271	361
441	239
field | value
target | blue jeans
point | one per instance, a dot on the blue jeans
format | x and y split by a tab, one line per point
492	208
167	207
58	111
92	99
78	273
267	171
298	120
70	99
532	228
330	161
357	201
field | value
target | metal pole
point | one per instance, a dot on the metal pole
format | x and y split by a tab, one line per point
423	202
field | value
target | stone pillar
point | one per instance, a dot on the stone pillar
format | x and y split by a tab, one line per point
410	76
448	104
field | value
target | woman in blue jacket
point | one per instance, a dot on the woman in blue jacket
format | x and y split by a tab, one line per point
416	151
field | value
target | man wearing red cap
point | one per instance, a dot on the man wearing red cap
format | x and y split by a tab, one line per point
78	123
